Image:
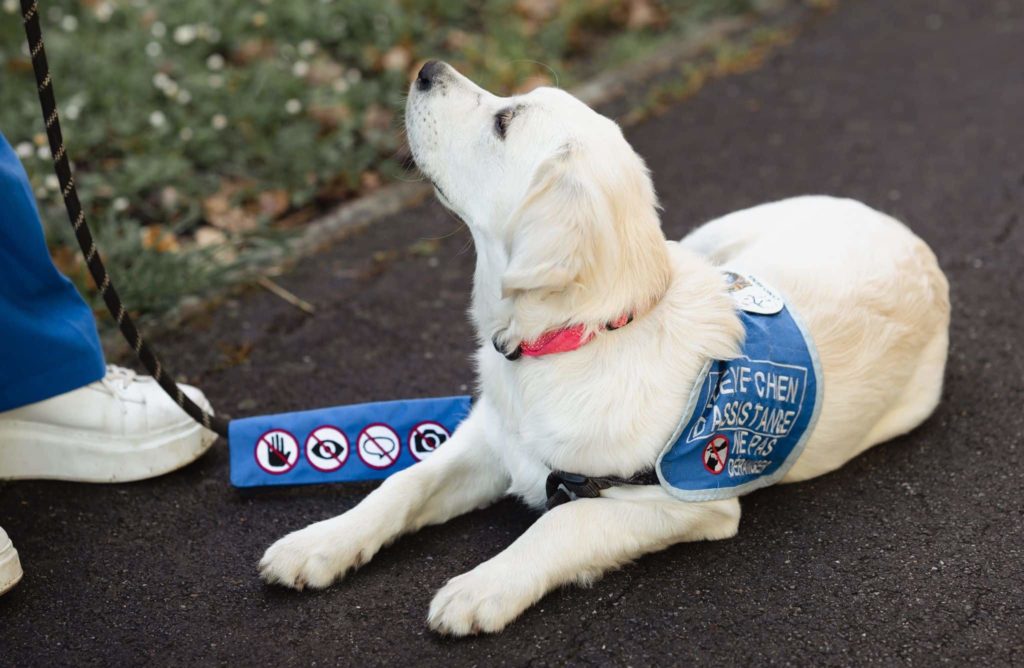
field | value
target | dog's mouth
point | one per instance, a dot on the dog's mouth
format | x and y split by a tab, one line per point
409	163
440	191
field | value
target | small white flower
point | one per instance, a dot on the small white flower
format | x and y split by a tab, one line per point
215	80
51	182
69	23
158	29
41	192
185	34
171	89
215	61
43	153
185	134
153	49
219	121
340	85
24	150
72	111
157	119
104	11
120	203
300	68
293	106
10	6
307	48
184	97
160	80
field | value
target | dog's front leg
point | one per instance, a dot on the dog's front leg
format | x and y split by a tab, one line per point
575	542
460	476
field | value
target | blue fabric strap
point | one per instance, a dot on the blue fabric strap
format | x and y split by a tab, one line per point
341	444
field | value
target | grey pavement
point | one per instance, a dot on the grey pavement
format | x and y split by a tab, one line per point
911	554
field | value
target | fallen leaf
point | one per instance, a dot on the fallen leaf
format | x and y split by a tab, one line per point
155	237
377	117
220	210
537	10
644	14
324	71
272	203
531	82
330	117
425	247
369	181
397	58
207	236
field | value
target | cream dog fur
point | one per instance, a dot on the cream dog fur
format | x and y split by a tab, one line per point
564	218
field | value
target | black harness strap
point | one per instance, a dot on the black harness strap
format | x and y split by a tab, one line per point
562	487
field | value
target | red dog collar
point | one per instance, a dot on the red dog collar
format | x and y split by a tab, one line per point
559	340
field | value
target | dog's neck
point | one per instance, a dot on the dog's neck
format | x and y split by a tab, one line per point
634	279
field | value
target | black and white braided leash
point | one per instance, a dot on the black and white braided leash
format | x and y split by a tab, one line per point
62	166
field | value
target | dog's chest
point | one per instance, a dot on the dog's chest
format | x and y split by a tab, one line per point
570	418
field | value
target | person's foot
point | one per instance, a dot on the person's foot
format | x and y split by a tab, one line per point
118	429
10	567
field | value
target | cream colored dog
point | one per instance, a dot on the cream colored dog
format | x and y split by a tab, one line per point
565	222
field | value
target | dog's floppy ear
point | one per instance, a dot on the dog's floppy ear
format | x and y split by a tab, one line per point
548	233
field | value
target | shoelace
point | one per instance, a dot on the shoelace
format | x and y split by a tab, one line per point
118	379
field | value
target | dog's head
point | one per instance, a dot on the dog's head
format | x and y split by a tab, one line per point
561	208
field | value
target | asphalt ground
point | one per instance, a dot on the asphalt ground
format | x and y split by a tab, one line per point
911	554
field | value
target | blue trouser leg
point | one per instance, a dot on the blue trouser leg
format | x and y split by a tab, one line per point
48	339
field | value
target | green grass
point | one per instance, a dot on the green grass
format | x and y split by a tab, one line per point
194	124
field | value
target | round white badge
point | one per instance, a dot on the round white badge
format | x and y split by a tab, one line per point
378	446
277	451
426	437
327	448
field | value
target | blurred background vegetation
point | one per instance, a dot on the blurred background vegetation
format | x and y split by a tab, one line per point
201	131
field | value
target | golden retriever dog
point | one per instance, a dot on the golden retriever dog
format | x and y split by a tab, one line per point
565	222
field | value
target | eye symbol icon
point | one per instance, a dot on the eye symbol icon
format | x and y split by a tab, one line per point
327	449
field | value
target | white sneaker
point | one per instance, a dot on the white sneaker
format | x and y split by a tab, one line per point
118	429
10	566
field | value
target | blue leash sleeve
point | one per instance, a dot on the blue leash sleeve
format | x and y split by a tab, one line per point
353	443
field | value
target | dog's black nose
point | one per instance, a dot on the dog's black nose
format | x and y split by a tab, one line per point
428	75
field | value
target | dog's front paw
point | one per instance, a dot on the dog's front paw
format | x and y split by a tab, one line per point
483	600
314	557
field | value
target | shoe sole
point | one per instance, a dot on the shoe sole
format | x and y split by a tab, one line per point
36	451
10	568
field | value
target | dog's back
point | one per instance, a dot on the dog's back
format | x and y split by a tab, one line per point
874	300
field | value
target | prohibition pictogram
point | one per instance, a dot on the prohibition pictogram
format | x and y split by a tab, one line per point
716	453
327	448
277	451
378	446
426	437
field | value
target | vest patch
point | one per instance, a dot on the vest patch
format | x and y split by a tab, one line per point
747	419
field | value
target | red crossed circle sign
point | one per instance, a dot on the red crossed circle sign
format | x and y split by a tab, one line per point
716	454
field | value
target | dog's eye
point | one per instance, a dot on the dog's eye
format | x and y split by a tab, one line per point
501	121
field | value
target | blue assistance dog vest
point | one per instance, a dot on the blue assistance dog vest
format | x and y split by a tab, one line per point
747	419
